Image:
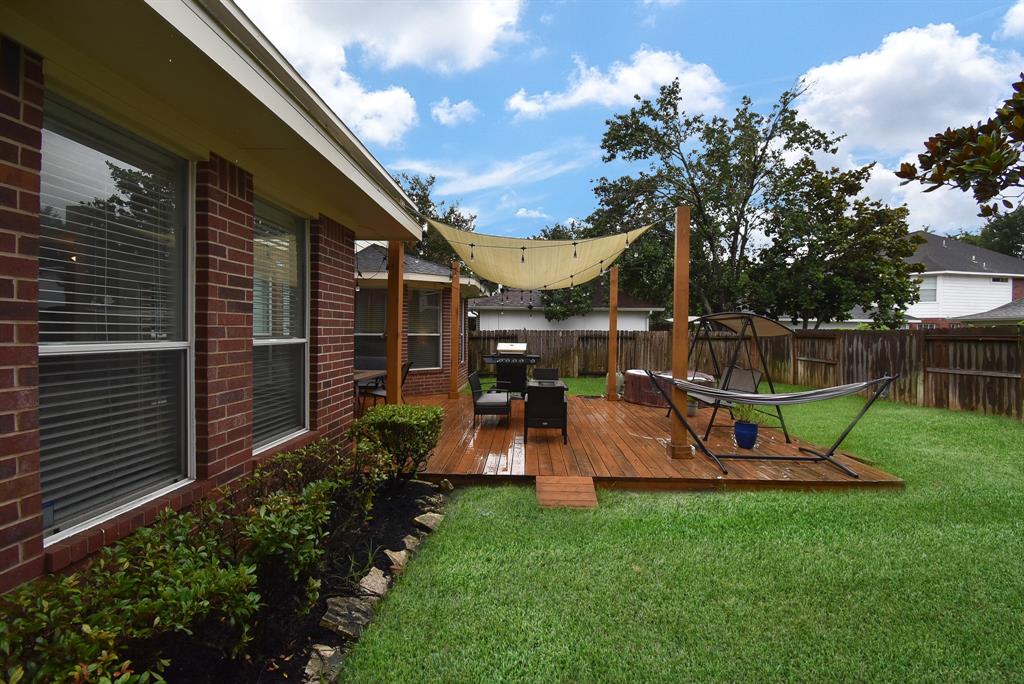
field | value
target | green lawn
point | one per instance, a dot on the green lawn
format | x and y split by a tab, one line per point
587	386
927	584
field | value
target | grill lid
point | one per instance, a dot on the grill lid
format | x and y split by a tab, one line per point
511	348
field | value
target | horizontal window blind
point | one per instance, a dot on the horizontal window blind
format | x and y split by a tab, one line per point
371	311
424	329
112	429
111	246
277	402
278	274
279	320
113	424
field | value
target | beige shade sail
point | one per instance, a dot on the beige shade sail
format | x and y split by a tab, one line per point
527	264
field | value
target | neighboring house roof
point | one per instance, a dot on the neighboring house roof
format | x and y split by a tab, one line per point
532	299
941	253
1013	312
372	264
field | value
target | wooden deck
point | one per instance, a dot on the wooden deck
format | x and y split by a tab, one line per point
620	445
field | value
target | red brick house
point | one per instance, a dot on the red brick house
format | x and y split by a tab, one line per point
177	277
427	319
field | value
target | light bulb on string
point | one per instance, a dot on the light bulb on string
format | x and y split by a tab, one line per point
573	249
522	257
471	247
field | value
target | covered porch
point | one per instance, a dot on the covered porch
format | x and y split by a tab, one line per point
621	445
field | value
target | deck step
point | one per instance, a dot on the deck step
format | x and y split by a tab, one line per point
566	492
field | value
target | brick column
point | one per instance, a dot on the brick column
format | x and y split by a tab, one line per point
331	326
224	273
21	119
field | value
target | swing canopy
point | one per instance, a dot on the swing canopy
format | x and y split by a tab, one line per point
735	321
527	264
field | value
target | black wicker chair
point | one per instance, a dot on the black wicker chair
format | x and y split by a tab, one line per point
546	407
489	402
380	391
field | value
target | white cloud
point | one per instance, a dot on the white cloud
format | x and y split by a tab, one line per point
642	76
663	3
546	18
455	179
523	212
1013	22
918	81
943	211
447	113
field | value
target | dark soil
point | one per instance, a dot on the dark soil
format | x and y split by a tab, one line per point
282	639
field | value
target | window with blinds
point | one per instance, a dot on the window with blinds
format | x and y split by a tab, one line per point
371	322
424	323
112	337
279	324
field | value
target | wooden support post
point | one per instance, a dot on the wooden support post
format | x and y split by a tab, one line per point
453	382
613	336
395	312
679	446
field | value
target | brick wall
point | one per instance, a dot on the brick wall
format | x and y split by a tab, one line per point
224	273
21	118
331	324
1018	289
434	381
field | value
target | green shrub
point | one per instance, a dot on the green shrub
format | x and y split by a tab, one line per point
164	578
401	434
203	575
747	413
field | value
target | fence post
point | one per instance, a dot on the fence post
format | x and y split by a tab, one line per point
1020	370
793	375
922	353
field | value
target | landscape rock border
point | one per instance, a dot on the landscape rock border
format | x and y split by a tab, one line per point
348	616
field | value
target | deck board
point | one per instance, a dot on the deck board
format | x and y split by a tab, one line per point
566	492
621	445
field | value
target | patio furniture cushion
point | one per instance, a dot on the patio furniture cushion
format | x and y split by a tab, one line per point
493	399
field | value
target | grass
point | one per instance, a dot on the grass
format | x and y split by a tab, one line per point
591	385
926	584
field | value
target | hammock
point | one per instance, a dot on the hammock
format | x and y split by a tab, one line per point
710	395
718	396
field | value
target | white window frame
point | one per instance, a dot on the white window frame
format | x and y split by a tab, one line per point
440	328
266	341
48	349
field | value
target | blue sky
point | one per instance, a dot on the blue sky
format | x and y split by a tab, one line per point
505	102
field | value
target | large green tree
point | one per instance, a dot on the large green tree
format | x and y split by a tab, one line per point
831	250
1002	233
725	169
433	247
984	158
570	301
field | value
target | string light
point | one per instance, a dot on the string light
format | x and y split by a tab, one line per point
522	257
573	249
471	247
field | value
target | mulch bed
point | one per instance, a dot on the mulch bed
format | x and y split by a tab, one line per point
282	639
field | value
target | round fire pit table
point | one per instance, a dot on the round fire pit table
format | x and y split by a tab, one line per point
637	388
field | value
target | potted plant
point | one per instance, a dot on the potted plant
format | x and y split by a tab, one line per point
745	428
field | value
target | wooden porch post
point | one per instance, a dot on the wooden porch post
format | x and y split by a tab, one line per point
679	446
613	335
453	382
395	312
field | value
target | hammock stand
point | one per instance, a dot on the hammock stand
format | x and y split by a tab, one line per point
881	386
744	326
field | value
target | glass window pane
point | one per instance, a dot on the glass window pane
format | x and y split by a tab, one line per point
928	288
278	274
425	351
371	311
111	251
424	312
278	383
112	429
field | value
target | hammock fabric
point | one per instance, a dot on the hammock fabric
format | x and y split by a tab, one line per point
783	399
813	456
536	264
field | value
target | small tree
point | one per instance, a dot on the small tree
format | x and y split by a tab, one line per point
433	247
984	158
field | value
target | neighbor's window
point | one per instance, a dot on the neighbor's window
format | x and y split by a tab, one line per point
1000	280
113	344
425	328
371	323
278	325
928	288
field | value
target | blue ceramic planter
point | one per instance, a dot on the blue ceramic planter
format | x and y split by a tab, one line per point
746	434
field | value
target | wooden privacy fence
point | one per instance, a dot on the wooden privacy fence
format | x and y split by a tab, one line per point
970	369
